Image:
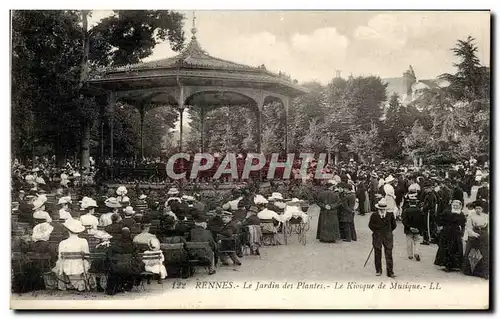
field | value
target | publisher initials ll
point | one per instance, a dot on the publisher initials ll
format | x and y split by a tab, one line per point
435	286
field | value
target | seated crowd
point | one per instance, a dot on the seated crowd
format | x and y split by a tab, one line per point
113	243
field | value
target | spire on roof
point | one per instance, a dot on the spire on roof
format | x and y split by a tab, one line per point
193	29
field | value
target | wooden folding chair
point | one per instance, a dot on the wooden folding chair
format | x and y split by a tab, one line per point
148	275
198	253
78	256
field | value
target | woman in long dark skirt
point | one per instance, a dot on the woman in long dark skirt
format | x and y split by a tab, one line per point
477	258
328	223
450	252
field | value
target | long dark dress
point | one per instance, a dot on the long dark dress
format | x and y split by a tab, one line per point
328	222
450	252
477	258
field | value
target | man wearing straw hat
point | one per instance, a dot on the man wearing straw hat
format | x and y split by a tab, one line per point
382	224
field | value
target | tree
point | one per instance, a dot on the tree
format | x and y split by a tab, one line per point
270	142
471	82
313	141
366	144
417	142
50	65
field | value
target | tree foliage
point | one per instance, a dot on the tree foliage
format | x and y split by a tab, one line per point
48	66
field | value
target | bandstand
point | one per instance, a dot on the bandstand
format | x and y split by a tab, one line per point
191	79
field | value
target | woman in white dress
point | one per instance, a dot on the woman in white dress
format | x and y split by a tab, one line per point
88	220
114	205
72	273
64	212
155	266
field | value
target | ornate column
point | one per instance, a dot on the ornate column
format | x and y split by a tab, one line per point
259	130
111	104
202	129
180	103
286	104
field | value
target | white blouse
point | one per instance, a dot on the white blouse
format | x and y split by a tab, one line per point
475	220
73	244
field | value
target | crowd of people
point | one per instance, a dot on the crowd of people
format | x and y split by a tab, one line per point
130	227
430	203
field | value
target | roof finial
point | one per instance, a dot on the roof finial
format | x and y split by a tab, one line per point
193	29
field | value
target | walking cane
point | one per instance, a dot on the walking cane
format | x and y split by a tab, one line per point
369	255
428	226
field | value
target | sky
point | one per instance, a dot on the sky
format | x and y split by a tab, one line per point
312	45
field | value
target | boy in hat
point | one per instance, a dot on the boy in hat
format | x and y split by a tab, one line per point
229	229
382	224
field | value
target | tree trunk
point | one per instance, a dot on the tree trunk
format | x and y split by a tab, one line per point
337	158
59	152
86	125
85	146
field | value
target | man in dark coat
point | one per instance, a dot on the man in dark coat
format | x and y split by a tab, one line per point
444	197
413	222
382	224
483	193
429	208
346	217
373	190
361	195
115	229
200	234
457	192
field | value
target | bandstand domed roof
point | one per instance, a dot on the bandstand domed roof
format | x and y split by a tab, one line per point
196	70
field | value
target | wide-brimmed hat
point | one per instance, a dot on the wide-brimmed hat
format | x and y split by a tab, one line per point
143	196
154	244
102	235
121	191
39	202
188	198
167	202
259	199
129	210
36	169
88	202
226	213
42	232
382	204
373	174
389	179
112	202
276	196
64	200
40	214
173	191
74	226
